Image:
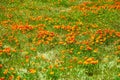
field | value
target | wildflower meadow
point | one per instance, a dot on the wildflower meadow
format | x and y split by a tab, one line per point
59	40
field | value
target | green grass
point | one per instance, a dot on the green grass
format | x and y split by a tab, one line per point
59	40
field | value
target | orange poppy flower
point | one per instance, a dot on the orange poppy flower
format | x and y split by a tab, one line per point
5	72
94	62
117	34
89	48
2	78
32	71
7	50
